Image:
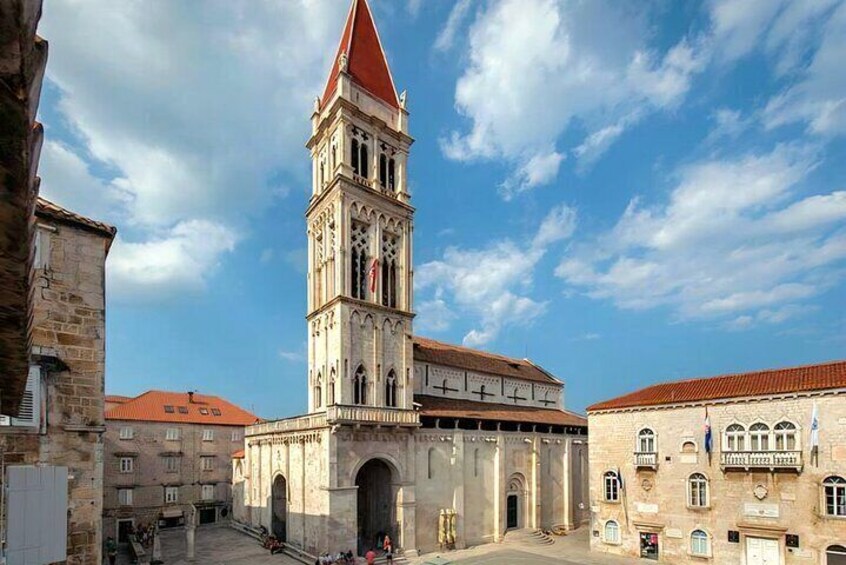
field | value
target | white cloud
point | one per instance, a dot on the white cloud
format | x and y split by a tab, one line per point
535	68
179	260
539	170
734	242
433	315
180	116
293	356
490	284
456	17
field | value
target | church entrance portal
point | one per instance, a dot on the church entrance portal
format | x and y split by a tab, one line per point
511	511
376	505
280	508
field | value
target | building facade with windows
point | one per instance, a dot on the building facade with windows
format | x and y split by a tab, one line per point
433	444
167	453
771	489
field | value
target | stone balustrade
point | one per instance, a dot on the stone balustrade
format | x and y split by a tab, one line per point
307	422
372	415
761	460
647	459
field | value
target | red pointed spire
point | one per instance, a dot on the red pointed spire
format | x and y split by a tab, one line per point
366	62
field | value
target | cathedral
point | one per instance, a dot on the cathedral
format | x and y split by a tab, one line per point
434	444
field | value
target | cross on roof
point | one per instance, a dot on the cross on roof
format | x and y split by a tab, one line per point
482	393
546	402
515	398
444	388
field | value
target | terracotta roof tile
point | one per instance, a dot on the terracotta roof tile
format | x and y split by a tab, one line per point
366	62
759	383
439	407
47	209
162	406
117	398
431	351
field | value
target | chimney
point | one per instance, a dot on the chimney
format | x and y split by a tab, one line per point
190	397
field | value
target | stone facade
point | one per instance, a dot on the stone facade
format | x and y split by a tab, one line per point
768	495
165	455
67	375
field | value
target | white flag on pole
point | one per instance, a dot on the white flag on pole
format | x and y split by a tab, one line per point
815	431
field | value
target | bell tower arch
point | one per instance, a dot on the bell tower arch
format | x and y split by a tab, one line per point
360	227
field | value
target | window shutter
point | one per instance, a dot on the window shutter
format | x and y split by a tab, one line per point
29	412
37	514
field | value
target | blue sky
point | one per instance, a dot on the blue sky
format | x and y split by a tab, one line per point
624	192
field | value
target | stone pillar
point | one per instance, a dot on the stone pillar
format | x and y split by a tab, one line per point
567	469
499	488
190	530
535	495
408	502
457	476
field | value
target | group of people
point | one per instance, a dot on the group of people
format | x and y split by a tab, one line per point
339	558
384	543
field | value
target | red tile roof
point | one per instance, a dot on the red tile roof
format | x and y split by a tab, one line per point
440	407
366	62
154	406
439	353
47	209
759	383
117	399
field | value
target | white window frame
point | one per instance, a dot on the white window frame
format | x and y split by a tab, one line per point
605	538
647	441
706	540
125	496
208	435
171	495
757	438
782	435
236	435
207	463
172	434
698	498
735	440
837	485
207	492
611	487
171	463
126	432
127	464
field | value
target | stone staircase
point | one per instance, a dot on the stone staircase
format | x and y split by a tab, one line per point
527	537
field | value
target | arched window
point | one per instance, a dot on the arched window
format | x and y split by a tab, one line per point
430	463
612	487
646	441
331	387
612	532
476	462
735	438
835	555
383	171
354	157
334	162
318	391
759	437
391	389
360	386
322	179
390	260
688	447
834	488
392	184
359	243
785	436
700	543
364	162
697	491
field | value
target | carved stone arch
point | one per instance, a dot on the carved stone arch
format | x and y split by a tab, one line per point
368	322
355	317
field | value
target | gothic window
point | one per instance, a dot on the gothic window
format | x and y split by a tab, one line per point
322	178
331	390
360	386
358	260
334	162
646	441
354	156
390	260
383	171
612	487
785	436
391	389
735	438
318	269
391	175
364	162
759	437
612	532
697	491
318	391
835	496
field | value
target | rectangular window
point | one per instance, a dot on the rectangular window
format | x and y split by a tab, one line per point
127	464
171	464
182	409
168	409
126	433
204	411
207	463
236	435
208	492
172	434
171	495
215	411
208	435
125	496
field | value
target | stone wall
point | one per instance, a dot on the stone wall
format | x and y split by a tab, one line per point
149	448
656	500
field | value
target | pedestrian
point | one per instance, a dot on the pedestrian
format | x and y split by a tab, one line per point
370	557
389	552
111	550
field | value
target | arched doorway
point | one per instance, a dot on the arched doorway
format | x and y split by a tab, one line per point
376	504
514	503
279	518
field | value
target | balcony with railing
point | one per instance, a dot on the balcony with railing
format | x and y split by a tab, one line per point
646	459
770	460
299	423
372	415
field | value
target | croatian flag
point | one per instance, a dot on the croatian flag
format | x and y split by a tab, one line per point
815	433
708	439
373	274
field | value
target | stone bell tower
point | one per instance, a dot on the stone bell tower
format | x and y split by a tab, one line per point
360	226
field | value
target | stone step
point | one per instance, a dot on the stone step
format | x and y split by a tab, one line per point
527	536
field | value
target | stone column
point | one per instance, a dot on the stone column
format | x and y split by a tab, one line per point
499	488
408	502
457	476
534	519
567	469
